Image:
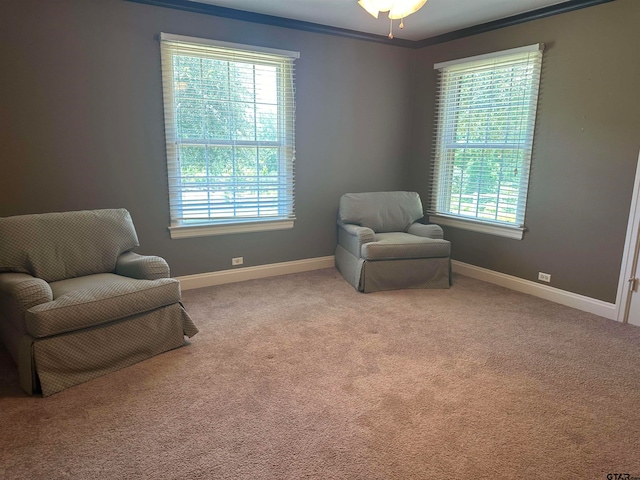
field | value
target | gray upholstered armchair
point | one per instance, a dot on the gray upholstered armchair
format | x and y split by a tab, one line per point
77	303
381	247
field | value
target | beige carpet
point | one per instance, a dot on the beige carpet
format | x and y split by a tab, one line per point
301	377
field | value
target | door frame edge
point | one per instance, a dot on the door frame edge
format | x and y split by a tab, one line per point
630	253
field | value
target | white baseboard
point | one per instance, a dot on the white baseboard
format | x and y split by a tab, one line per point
587	304
209	279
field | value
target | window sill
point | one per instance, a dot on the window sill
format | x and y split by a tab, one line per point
208	229
515	233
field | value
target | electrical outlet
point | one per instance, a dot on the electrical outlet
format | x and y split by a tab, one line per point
545	277
237	261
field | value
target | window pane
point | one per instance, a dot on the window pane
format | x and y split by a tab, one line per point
268	161
215	76
246	162
193	165
267	123
216	120
266	85
220	161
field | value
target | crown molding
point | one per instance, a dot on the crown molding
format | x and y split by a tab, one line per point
510	21
232	13
208	9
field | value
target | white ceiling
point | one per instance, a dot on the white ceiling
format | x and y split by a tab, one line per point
435	18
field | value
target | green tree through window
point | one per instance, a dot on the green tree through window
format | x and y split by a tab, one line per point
485	124
229	120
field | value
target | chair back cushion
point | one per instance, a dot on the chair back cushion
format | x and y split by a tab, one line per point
381	211
55	246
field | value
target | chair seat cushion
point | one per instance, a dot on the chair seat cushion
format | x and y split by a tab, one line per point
397	245
96	299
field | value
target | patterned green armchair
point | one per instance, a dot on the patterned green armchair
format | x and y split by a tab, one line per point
75	301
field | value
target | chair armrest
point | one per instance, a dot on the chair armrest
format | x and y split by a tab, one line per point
20	291
352	237
428	231
142	267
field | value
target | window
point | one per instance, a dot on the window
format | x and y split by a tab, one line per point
229	124
486	112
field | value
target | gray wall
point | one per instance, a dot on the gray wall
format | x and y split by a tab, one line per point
81	122
585	150
81	126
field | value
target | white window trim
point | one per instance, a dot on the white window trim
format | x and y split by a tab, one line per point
170	37
477	224
206	230
536	47
238	225
516	233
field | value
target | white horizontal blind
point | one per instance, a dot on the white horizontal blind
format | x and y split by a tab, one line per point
486	111
229	124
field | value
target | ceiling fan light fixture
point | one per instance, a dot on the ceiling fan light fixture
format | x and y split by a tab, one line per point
398	9
370	6
402	9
